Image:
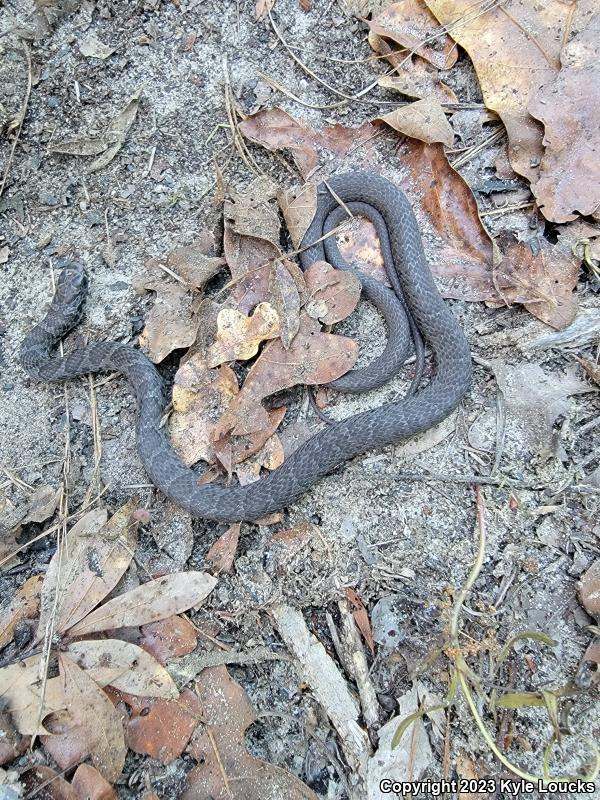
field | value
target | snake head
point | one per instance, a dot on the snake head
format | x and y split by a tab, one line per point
71	289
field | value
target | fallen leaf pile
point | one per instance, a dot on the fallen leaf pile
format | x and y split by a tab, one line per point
110	694
71	711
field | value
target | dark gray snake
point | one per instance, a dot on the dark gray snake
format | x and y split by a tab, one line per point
414	305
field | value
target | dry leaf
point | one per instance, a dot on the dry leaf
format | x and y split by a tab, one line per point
42	504
12	744
276	130
298	206
44	783
568	106
162	728
192	264
258	446
333	293
410	24
21	691
89	784
589	590
66	741
150	602
424	120
288	543
226	771
591	368
512	64
169	638
172	322
270	456
222	552
24	605
200	396
262	8
137	672
239	336
544	283
361	617
91	708
286	299
534	399
253	212
96	555
414	77
313	358
92	47
410	759
106	146
466	256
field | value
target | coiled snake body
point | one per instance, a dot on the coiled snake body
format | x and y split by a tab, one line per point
415	293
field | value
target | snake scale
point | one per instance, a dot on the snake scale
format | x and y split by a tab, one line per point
414	305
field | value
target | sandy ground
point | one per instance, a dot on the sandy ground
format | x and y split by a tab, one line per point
388	535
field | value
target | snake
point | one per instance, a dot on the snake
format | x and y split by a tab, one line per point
413	306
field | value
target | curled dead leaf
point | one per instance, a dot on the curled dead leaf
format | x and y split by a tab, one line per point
276	130
239	336
512	65
543	282
314	357
411	24
200	396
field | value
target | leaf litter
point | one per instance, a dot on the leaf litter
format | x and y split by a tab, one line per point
536	274
225	767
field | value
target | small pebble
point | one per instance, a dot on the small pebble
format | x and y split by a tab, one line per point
53	101
48	199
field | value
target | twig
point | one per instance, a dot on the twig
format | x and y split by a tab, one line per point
95	481
472	151
358	662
